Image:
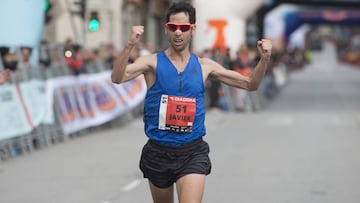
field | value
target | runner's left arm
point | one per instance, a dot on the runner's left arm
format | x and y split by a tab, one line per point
235	79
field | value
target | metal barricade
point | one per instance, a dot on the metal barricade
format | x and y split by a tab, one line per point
46	135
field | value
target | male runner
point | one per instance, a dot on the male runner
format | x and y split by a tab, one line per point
174	109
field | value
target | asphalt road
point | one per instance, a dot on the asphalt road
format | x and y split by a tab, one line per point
303	148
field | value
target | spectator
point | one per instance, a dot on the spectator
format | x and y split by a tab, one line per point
110	54
58	64
242	65
242	62
9	59
25	53
74	59
44	54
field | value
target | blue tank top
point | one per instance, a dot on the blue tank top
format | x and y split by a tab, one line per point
187	84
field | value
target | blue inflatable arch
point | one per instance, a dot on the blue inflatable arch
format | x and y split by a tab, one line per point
294	20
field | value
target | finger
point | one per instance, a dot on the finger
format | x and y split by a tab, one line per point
260	45
266	45
139	32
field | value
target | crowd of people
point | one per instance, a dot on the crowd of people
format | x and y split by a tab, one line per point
71	58
55	60
347	41
233	99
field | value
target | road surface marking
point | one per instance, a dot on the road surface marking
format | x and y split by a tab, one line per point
281	120
131	185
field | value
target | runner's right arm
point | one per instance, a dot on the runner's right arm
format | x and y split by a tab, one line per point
122	71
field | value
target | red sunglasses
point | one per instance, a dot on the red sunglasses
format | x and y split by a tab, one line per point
183	27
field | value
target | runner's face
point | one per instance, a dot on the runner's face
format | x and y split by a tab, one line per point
179	40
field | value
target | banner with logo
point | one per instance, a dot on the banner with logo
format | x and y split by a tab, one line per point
91	100
79	102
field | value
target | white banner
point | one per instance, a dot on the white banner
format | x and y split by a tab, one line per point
14	119
80	102
35	100
90	100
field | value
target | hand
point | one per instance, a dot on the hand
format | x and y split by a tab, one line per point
264	47
4	76
136	32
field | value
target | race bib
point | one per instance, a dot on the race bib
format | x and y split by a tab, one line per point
177	113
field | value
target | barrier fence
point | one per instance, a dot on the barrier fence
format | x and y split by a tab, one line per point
44	106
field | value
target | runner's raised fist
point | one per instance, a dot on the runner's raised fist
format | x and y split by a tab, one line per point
265	48
136	32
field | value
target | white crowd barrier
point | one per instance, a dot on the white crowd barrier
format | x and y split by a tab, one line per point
70	103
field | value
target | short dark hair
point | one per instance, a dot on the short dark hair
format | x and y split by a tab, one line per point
179	7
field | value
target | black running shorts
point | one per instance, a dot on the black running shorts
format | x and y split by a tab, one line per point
163	165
